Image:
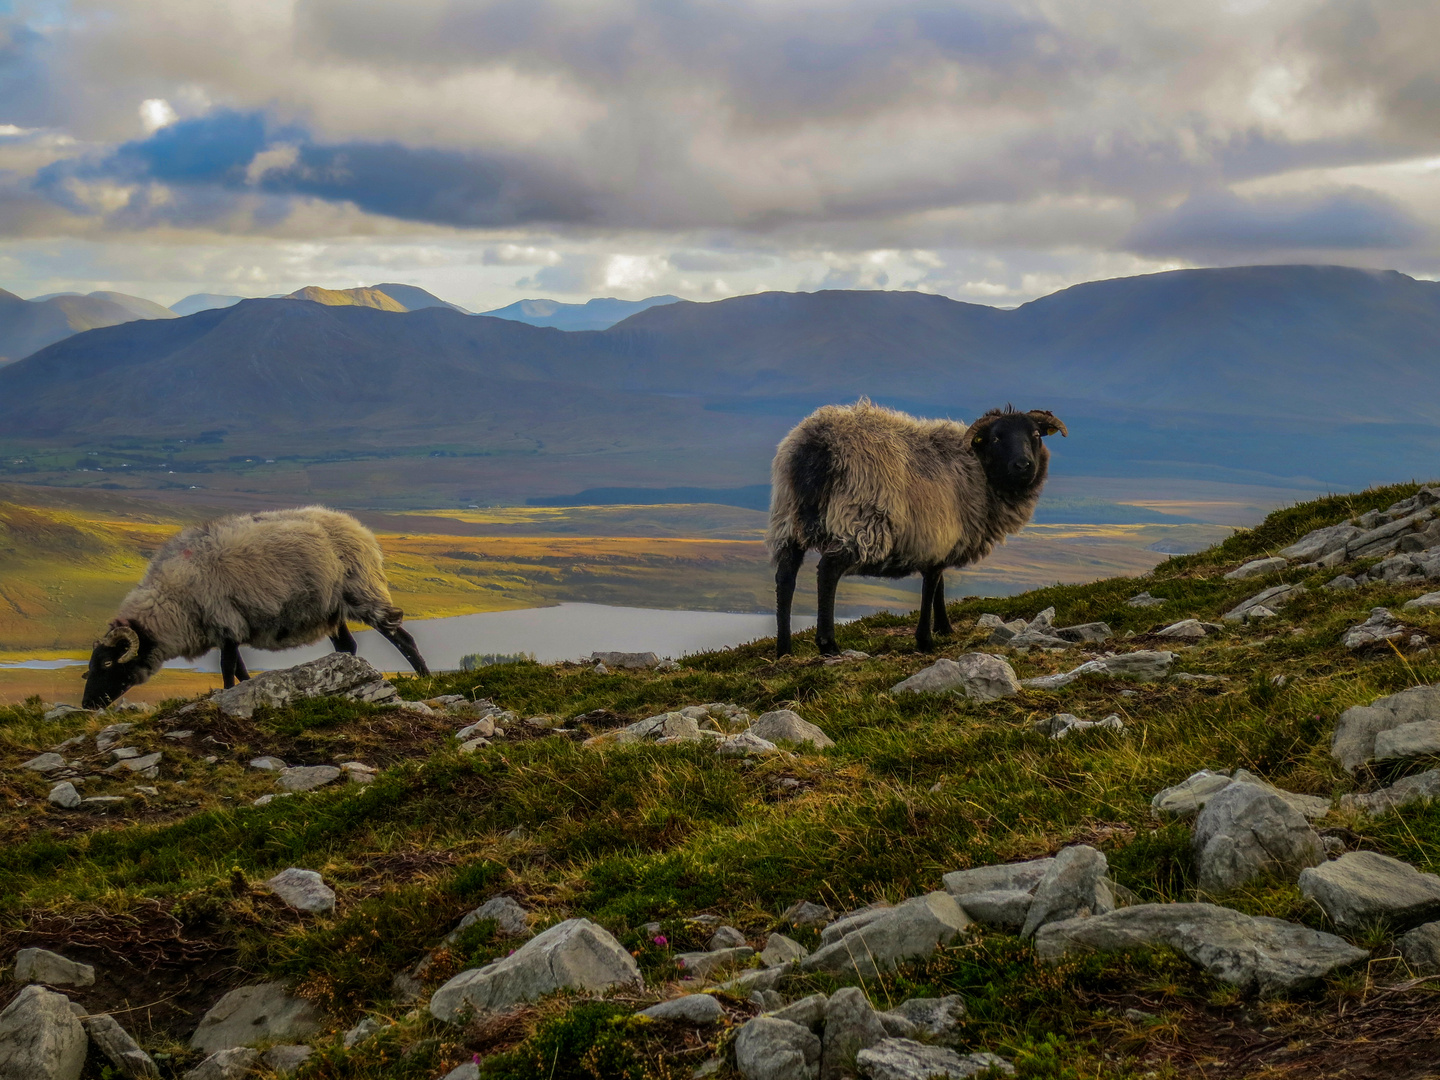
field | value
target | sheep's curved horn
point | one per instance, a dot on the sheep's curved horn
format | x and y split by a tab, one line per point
127	636
1048	422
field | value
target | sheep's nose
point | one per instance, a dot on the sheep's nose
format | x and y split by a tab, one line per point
1023	465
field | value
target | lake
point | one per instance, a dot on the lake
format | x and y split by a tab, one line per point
563	632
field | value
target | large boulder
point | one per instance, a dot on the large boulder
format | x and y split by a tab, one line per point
1269	956
40	1038
336	675
1257	568
1074	885
851	1024
905	1059
978	676
1353	743
771	1049
782	725
1246	832
1418	739
1019	876
908	931
44	966
259	1013
1362	888
572	955
1185	799
1313	545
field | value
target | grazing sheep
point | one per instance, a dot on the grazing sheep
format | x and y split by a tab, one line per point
881	493
273	580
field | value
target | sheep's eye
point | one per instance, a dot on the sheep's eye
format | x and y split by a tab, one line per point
109	663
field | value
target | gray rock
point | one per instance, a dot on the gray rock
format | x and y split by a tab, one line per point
747	982
1385	538
1421	948
43	763
1408	789
337	674
1005	877
285	1060
358	772
308	777
782	725
1037	639
912	930
303	890
1145	666
1082	632
998	907
1184	800
147	766
510	918
43	966
1321	542
936	1018
1362	888
360	1032
107	737
1420	738
1257	568
854	920
1353	743
1074	885
469	746
1184	630
701	965
64	795
635	661
1271	599
465	1071
1379	628
1312	807
690	1009
771	1049
727	937
40	1039
483	728
575	954
261	1012
267	764
115	1043
1062	724
851	1025
745	744
234	1064
780	949
56	712
807	1012
120	753
1244	833
1256	954
1342	583
102	802
807	913
978	676
1144	599
905	1059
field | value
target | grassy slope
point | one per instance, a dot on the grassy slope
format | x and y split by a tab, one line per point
915	787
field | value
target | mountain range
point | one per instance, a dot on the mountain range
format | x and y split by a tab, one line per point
1320	375
29	325
598	314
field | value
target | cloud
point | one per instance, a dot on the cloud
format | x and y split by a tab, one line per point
1221	224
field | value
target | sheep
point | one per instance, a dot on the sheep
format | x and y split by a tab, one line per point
272	580
879	492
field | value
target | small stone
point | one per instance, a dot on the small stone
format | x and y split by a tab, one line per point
120	753
911	930
481	729
467	1070
307	777
1421	948
1062	724
1408	789
936	1018
358	772
1246	832
979	676
285	1060
64	795
1144	599
1018	876
905	1059
600	669
472	745
632	660
780	950
102	802
337	674
690	1009
509	917
268	764
771	1049
1418	739
43	763
1145	665
116	1044
1342	583
1185	799
782	725
178	736
147	766
745	744
233	1064
999	907
361	1031
807	1012
1257	568
1379	628
1074	885
1267	600
727	937
806	913
266	800
43	966
851	1025
1362	888
1428	602
1185	629
261	1012
56	712
700	965
303	890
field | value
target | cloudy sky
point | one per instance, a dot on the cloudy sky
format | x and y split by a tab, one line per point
491	151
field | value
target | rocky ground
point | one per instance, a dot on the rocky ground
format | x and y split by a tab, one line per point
1173	826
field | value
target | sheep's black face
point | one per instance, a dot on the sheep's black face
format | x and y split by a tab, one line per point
122	658
1010	449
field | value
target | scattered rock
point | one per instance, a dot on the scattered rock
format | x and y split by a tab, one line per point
1418	739
780	950
115	1043
1074	885
510	918
266	800
908	931
701	965
1256	954
1362	888
1257	568
1145	665
233	1064
358	772
308	777
261	1012
40	1039
1144	599
854	920
361	1031
1083	632
998	907
43	763
771	1049
65	795
978	676
575	954
905	1059
727	937
806	913
782	725
1062	724
465	1071
102	802
690	1009
1270	600
1008	877
336	674
481	729
43	966
1184	800
1342	583
1421	948
1428	602
634	661
303	890
1353	743
285	1060
1184	630
268	764
1321	542
469	746
1244	832
936	1018
1408	789
55	712
1381	627
107	737
147	766
851	1025
745	744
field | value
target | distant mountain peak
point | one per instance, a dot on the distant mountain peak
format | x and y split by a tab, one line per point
361	297
600	313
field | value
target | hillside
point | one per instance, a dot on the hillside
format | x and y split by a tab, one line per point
29	325
164	890
601	313
368	298
203	302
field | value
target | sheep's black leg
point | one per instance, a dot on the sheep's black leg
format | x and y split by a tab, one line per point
344	640
242	673
942	617
787	568
398	636
923	639
827	577
229	662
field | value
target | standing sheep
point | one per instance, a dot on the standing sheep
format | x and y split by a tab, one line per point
273	580
881	493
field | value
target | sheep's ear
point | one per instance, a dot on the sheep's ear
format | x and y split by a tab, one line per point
1048	422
